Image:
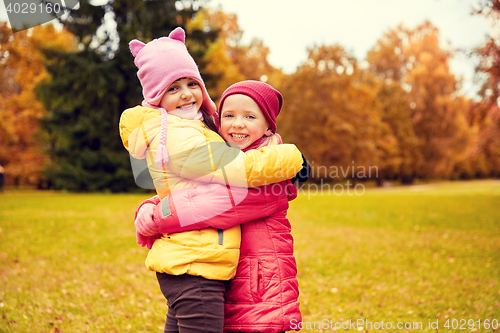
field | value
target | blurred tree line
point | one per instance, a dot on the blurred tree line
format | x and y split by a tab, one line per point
397	115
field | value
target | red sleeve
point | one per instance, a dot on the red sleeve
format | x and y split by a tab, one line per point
218	206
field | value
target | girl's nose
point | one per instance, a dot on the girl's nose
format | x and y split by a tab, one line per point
237	123
186	93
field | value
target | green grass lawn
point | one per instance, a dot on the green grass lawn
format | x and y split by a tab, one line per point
69	262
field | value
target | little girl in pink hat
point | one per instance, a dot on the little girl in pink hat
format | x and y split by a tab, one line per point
174	131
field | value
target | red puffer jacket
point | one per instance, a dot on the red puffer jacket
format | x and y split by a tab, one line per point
264	294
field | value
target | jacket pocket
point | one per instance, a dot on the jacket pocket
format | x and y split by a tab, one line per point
256	280
220	234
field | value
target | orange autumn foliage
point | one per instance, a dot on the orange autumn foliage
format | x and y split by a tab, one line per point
414	60
227	59
22	69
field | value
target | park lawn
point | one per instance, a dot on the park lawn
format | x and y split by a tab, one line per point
69	262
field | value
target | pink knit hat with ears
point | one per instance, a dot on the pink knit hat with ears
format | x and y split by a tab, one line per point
267	98
161	62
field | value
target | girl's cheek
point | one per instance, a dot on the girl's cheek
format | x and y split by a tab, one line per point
223	131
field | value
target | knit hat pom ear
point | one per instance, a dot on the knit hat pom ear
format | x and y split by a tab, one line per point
135	46
178	34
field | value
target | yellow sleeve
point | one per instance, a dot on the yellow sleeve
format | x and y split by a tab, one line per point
199	154
272	164
130	121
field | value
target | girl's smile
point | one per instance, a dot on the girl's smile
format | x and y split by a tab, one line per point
187	106
238	136
239	139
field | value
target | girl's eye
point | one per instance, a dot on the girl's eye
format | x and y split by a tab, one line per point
170	89
251	117
193	84
228	116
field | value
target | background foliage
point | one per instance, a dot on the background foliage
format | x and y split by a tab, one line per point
21	70
399	110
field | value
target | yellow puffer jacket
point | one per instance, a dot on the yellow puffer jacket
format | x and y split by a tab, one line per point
198	155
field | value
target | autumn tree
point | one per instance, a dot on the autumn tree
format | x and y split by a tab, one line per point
405	158
387	64
439	134
484	116
21	70
216	63
331	112
227	59
490	53
483	155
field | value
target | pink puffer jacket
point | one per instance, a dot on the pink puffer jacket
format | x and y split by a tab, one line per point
264	294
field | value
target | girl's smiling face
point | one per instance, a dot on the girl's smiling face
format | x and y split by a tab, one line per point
242	121
184	94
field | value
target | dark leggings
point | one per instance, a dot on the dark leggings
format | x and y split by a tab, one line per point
195	304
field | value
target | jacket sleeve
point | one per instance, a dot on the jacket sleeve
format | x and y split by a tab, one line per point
213	205
133	119
216	162
303	175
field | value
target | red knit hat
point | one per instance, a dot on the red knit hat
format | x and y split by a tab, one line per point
267	98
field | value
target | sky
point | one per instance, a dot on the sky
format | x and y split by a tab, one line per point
289	27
